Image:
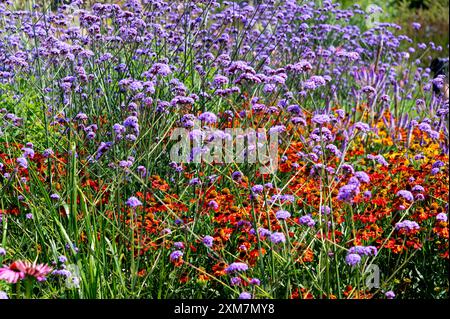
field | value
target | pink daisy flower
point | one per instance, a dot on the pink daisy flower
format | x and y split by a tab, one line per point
13	273
19	269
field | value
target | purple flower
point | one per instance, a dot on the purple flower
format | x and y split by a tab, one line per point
364	250
158	69
194	181
442	217
353	259
62	259
407	225
321	119
28	152
62	272
119	129
208	241
220	80
178	245
257	189
213	204
263	232
133	202
419	197
438	164
379	158
424	127
2	251
255	282
22	162
282	214
103	148
418	188
235	281
348	192
208	117
236	267
406	195
325	210
29	216
363	127
362	177
55	196
245	295
390	294
141	170
348	169
277	238
176	255
434	171
416	25
236	176
369	90
3	295
307	220
47	153
277	129
367	194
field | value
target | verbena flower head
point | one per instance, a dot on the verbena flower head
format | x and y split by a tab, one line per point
418	188
176	255
178	245
208	117
235	281
236	267
62	259
364	250
407	226
442	217
257	189
348	192
245	295
255	282
321	119
282	214
22	162
325	210
208	241
237	176
213	204
133	202
307	221
406	195
277	238
390	294
416	25
362	177
353	259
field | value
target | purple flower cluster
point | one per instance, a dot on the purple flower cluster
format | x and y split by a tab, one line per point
407	225
282	215
236	267
406	195
307	221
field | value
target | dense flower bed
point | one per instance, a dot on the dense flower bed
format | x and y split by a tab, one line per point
357	206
